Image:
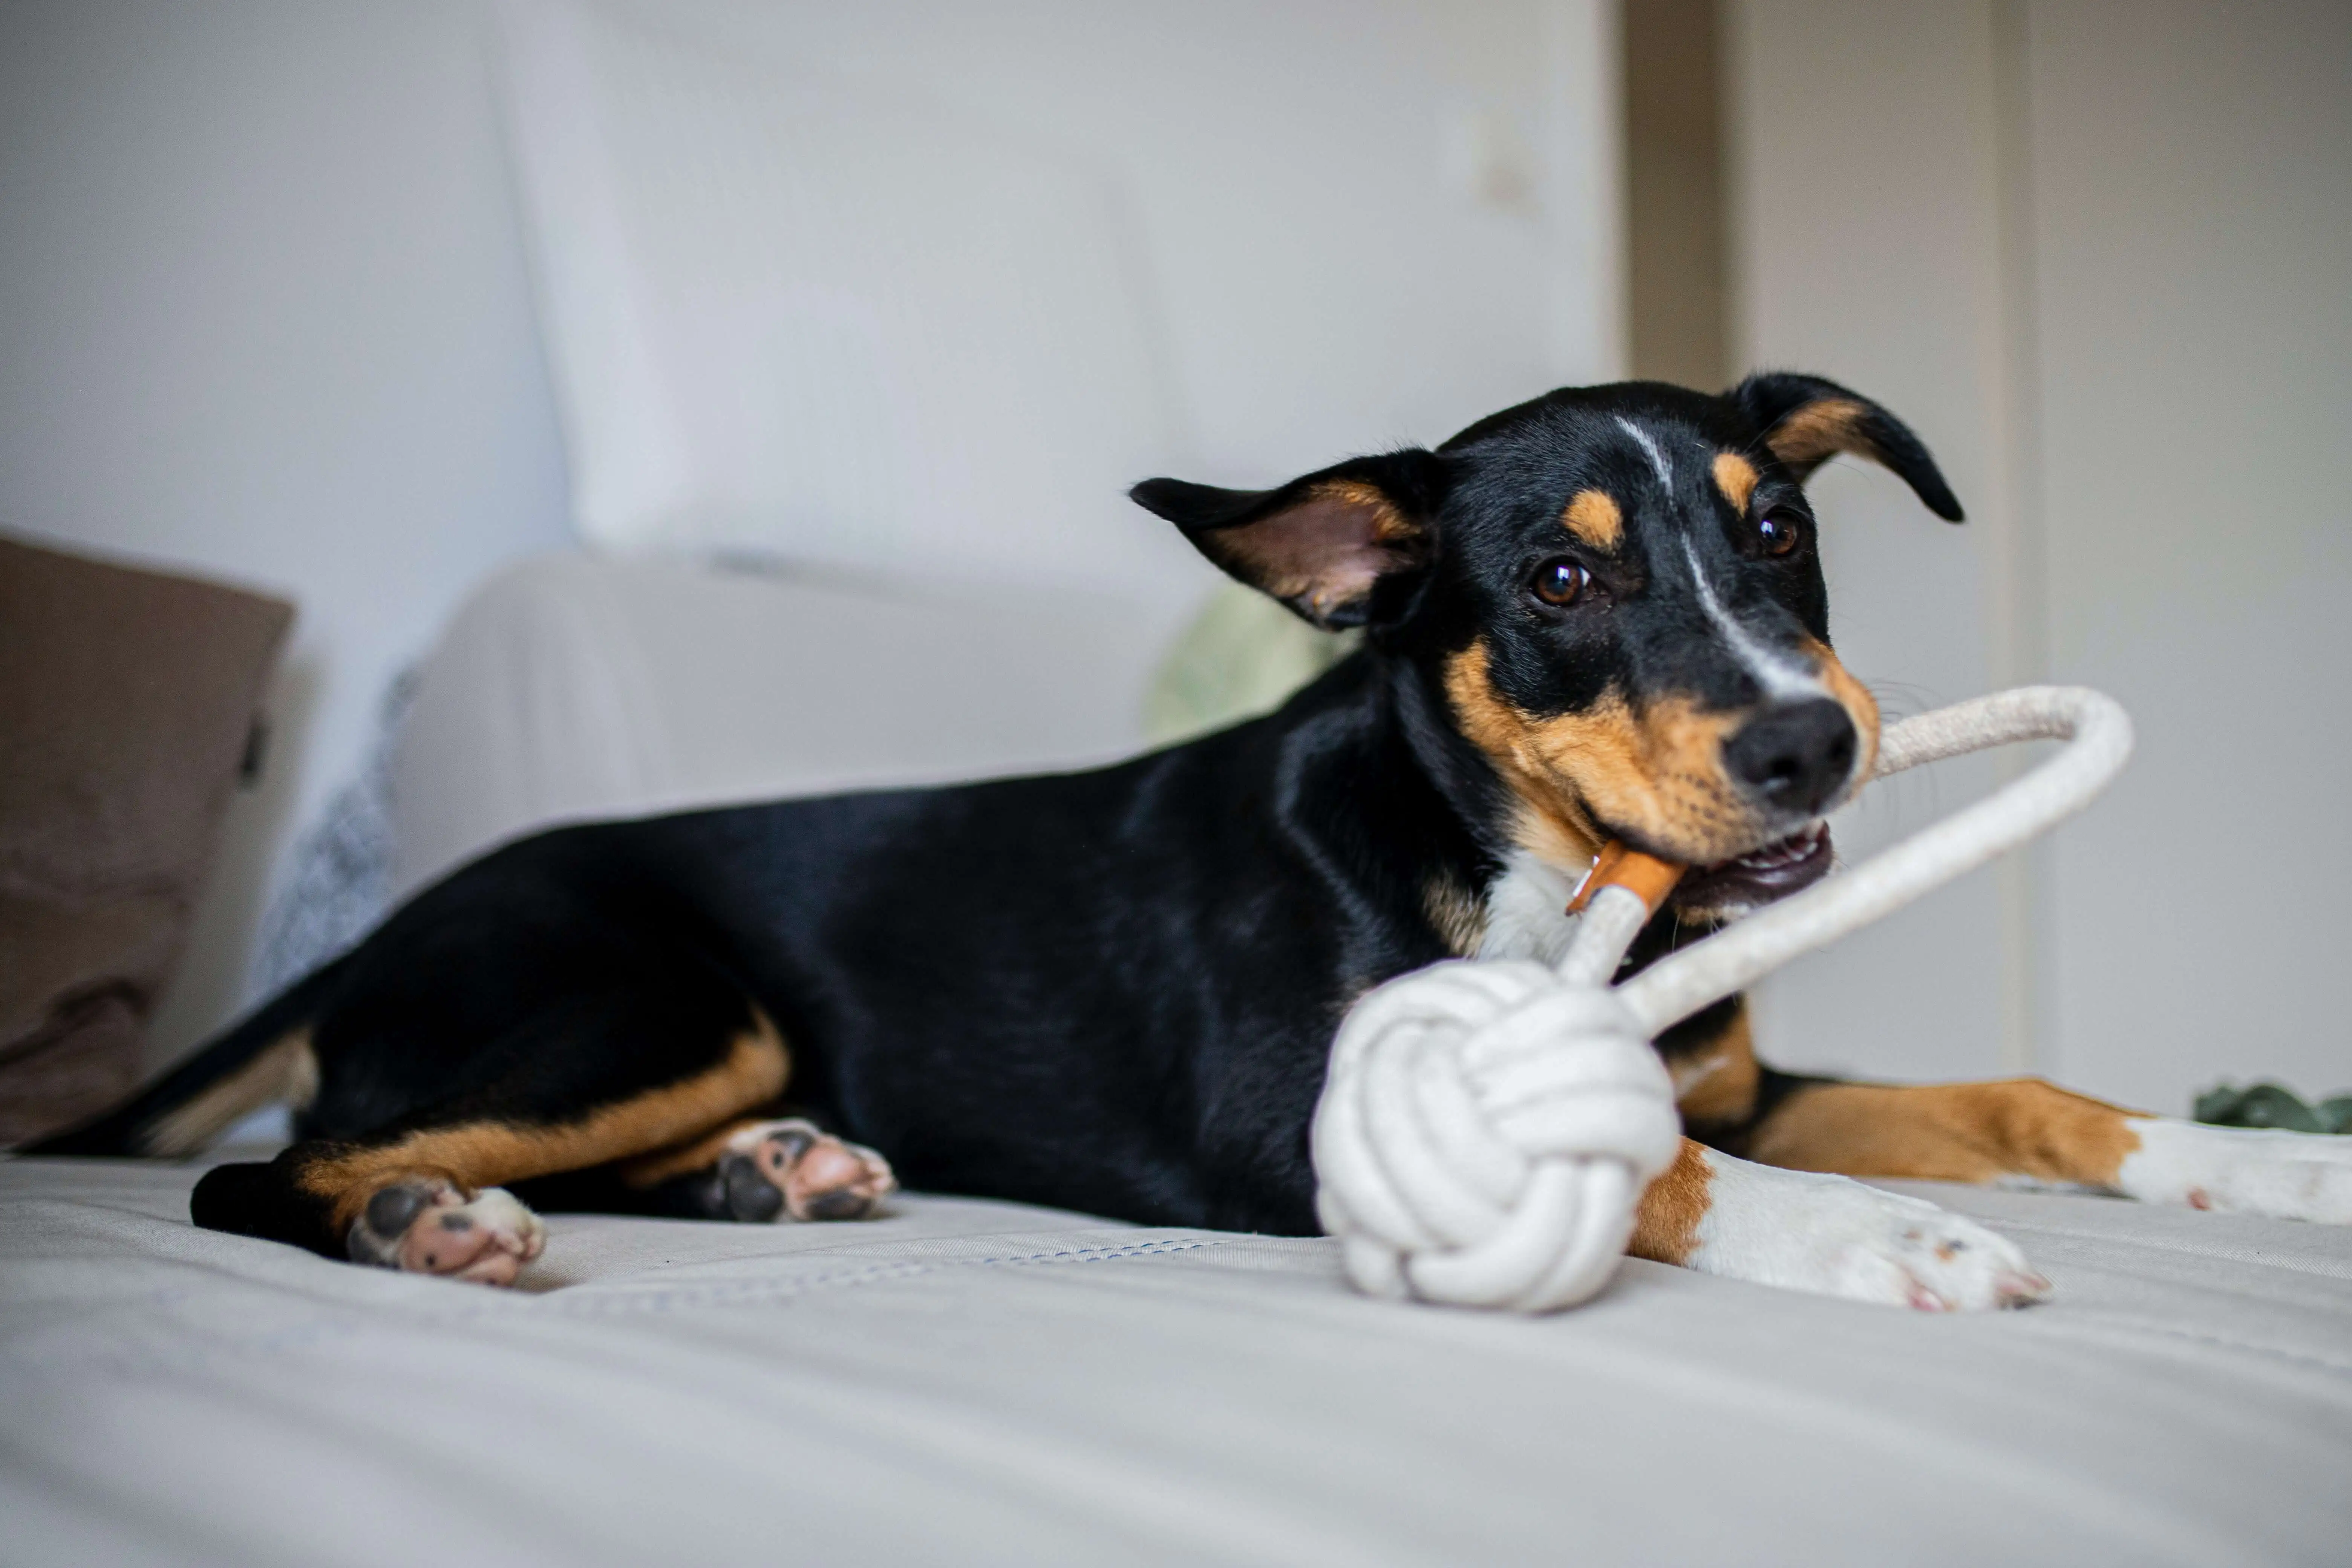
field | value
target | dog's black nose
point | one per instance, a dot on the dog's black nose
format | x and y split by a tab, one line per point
1795	758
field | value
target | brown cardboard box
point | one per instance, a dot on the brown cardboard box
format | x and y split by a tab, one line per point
128	706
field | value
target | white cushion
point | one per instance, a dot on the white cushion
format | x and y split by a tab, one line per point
785	319
577	686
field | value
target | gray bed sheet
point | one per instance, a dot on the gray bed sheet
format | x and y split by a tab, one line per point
979	1383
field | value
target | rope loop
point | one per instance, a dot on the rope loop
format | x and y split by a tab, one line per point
1487	1128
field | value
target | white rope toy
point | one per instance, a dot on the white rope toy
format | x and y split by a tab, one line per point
1488	1127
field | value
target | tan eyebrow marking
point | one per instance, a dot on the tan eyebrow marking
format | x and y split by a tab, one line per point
1593	518
1735	475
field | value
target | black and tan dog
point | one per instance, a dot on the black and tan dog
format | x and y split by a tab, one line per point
1599	614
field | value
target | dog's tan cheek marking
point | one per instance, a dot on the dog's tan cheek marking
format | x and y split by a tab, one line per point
1736	477
1593	517
1683	746
492	1153
1854	698
1665	1228
1948	1132
1660	776
286	1069
1716	1084
1818	429
1552	826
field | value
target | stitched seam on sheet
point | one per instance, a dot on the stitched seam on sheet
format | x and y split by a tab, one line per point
731	1293
320	1335
2195	1336
2177	1249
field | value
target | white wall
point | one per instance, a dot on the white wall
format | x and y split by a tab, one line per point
263	315
264	312
1857	239
2192	186
1305	176
2100	254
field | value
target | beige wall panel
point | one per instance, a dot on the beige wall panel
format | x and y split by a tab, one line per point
1863	163
2192	169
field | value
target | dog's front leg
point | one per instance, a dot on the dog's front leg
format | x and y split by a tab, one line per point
1828	1235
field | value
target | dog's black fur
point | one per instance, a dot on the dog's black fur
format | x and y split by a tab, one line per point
1115	991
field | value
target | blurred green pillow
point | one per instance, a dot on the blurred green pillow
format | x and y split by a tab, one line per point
1241	656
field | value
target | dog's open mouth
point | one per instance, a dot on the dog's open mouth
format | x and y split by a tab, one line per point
1758	877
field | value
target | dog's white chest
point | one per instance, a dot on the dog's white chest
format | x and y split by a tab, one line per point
1527	911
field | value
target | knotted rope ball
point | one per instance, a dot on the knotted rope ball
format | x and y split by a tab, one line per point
1487	1128
1485	1132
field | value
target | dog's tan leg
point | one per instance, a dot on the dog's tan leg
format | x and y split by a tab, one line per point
2018	1128
1712	1059
431	1198
2026	1130
1826	1234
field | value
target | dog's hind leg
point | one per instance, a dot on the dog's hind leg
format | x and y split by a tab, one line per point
2020	1131
592	1081
2027	1132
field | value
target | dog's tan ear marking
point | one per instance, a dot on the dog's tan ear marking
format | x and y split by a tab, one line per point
1803	421
1818	432
1328	544
1593	518
1322	553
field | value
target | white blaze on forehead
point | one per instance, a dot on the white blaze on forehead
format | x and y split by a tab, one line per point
1650	450
1782	674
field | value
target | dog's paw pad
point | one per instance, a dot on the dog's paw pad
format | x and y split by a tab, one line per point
428	1226
2241	1170
774	1170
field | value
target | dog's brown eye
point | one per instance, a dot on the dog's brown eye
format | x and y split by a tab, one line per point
1558	583
1779	531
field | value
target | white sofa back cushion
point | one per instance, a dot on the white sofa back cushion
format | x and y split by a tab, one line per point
787	319
574	686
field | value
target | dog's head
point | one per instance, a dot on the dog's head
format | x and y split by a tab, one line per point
1618	592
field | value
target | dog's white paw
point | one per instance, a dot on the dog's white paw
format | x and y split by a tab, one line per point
2240	1170
427	1226
775	1169
1834	1236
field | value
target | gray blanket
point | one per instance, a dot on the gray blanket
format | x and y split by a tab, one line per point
970	1383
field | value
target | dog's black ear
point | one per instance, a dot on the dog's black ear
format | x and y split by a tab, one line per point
1805	420
1343	547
